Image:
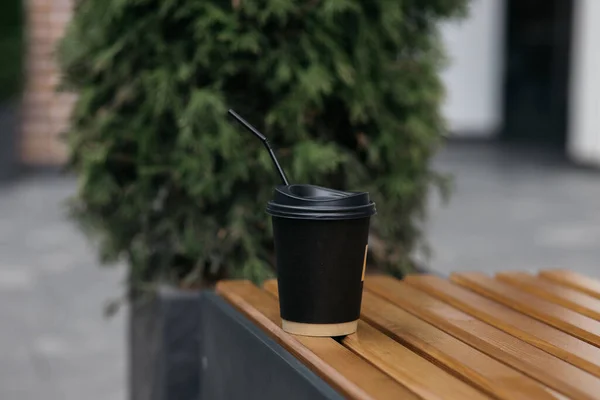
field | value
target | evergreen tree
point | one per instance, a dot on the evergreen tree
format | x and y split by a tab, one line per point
346	90
11	48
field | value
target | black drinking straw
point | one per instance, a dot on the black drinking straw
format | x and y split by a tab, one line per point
265	142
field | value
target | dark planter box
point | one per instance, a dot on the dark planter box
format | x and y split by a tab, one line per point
164	336
193	345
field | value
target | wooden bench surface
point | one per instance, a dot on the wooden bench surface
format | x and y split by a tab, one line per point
514	336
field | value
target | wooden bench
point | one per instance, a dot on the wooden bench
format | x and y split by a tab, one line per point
514	336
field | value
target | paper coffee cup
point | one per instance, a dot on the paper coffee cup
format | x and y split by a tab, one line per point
321	247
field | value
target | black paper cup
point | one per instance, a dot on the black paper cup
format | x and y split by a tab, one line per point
321	241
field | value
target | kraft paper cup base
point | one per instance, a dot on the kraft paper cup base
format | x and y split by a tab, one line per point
303	329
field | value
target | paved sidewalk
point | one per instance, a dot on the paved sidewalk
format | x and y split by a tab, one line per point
55	344
515	209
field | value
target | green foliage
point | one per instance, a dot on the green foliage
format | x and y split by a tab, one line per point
10	48
347	90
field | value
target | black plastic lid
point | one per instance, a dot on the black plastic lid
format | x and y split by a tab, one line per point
315	202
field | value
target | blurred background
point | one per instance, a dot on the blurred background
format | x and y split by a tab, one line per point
523	110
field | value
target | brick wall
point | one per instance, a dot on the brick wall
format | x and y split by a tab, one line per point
45	112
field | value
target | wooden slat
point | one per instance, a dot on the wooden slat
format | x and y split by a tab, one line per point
413	371
564	377
560	317
343	370
573	280
546	337
555	293
456	357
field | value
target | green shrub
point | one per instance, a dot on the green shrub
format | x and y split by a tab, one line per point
347	90
10	48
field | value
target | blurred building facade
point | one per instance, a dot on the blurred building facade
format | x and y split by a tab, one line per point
527	71
45	110
520	70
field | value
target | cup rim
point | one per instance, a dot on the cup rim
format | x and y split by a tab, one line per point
321	212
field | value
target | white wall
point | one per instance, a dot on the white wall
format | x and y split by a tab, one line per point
473	80
584	105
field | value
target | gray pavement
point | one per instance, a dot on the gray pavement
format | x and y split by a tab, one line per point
55	343
509	210
515	209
